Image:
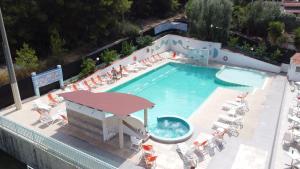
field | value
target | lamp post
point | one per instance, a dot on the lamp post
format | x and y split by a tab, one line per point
10	66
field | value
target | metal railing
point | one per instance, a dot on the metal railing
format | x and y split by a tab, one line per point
56	148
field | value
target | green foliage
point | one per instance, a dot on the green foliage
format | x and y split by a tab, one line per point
233	41
275	30
108	56
209	19
127	48
259	14
27	59
276	55
238	18
88	66
260	51
297	37
247	48
144	41
127	28
57	46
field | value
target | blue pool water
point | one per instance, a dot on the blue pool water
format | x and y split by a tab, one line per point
176	89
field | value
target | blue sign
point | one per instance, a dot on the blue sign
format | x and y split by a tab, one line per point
46	78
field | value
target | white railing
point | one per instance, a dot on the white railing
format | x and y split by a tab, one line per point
56	148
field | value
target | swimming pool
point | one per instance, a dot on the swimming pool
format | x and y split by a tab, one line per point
176	89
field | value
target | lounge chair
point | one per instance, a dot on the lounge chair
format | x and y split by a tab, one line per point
130	68
233	120
75	88
234	105
135	143
144	62
81	86
54	99
39	105
147	149
97	81
139	66
150	161
232	130
187	154
48	119
89	84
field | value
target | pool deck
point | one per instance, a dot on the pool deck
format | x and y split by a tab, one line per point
255	138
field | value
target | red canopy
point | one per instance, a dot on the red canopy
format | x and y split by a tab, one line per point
119	104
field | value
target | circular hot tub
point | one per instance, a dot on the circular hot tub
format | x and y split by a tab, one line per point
171	129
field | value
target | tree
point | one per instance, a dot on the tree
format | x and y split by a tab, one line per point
297	37
259	14
209	19
88	66
276	33
238	18
27	59
163	8
57	46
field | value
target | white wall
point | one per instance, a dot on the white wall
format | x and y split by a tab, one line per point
245	61
182	45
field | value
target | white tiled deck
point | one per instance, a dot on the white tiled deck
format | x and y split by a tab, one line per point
255	125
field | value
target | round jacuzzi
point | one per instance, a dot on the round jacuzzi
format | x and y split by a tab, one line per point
171	129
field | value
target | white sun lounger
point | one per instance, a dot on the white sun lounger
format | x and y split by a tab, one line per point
187	154
139	66
38	104
235	105
237	120
131	68
230	128
49	119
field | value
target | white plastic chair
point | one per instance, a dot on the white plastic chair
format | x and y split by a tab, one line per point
135	143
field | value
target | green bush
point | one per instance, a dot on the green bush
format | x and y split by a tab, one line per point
260	50
127	48
233	42
109	56
297	37
27	59
247	47
276	55
143	41
88	66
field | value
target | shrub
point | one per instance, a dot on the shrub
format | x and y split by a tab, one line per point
276	55
289	21
26	58
88	66
109	56
127	48
247	48
143	41
297	37
261	50
233	41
